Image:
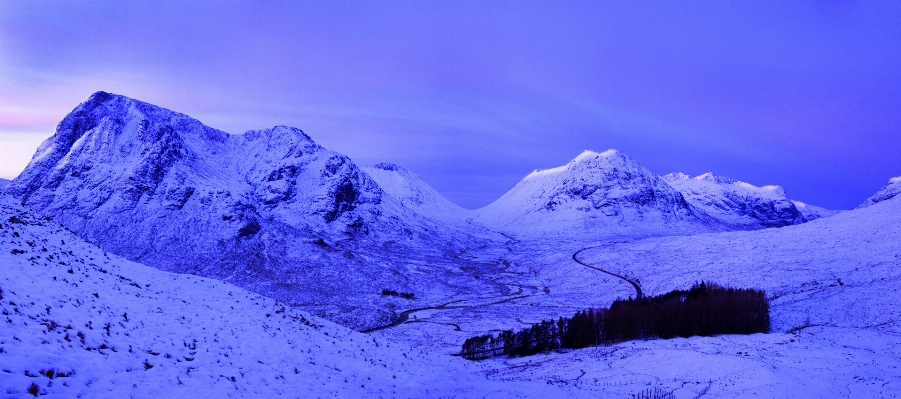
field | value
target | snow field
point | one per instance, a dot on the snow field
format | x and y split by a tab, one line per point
114	328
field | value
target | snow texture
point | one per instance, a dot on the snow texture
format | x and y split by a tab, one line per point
812	212
736	203
80	322
414	193
836	325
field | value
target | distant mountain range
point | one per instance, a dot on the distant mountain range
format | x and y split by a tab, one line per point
272	211
609	193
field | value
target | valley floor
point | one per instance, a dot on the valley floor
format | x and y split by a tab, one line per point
108	327
832	283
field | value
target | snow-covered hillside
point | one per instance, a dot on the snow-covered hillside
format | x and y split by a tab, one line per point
80	322
604	193
889	191
736	203
267	210
836	324
3	183
408	188
114	328
812	212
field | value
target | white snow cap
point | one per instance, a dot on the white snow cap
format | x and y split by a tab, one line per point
676	176
586	157
711	177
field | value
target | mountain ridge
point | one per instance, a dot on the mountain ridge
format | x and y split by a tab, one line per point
606	193
269	210
891	190
737	203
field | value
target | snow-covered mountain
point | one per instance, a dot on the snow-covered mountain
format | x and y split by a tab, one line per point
739	204
889	191
268	210
3	183
596	193
274	212
408	188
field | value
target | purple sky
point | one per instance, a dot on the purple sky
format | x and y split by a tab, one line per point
473	96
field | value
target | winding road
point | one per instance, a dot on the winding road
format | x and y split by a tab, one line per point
638	293
404	317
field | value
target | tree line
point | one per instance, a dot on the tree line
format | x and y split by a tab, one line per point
405	295
706	309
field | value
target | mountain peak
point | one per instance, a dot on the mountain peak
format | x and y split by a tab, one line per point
386	166
676	176
113	104
99	97
889	191
601	193
587	160
589	155
413	192
709	176
280	133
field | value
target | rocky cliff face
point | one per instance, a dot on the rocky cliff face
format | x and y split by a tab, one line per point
269	210
113	154
735	203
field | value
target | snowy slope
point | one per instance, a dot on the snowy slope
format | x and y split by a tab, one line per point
415	194
3	183
268	210
812	212
79	322
196	334
836	320
889	191
604	193
736	203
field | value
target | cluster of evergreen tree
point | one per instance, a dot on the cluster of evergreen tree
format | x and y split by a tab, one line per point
406	295
706	309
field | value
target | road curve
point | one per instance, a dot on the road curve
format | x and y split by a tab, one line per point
405	315
638	293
